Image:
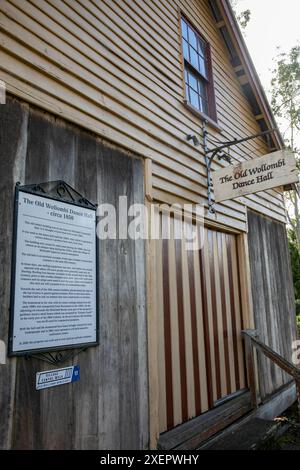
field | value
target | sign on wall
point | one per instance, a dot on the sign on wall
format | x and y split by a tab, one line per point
270	171
55	377
54	274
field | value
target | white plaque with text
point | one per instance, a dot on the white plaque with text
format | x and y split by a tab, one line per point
55	280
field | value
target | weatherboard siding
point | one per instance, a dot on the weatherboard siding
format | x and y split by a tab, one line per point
114	67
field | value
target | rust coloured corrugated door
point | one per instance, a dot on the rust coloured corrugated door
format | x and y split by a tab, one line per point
201	357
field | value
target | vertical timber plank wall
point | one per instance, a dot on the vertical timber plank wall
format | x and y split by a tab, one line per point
273	296
13	134
108	407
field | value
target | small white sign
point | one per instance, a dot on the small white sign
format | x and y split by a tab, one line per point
2	92
2	352
270	171
52	378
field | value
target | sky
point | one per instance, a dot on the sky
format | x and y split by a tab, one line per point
273	24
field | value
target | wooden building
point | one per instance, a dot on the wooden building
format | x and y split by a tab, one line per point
103	94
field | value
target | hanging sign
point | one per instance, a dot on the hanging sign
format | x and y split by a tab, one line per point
54	277
270	171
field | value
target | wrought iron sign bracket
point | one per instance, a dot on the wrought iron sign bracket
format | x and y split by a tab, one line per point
59	190
55	357
220	153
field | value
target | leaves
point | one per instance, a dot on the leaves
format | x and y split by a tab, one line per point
243	17
286	106
286	91
295	260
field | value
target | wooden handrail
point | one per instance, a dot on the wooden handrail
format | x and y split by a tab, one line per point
273	355
251	342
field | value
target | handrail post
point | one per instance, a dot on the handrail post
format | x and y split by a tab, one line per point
298	398
251	342
249	350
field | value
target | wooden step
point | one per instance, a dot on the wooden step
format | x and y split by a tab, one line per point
190	435
248	436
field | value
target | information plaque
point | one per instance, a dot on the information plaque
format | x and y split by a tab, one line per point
54	274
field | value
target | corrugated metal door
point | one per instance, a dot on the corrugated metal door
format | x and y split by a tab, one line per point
201	358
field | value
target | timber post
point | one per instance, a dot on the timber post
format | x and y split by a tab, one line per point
298	398
251	370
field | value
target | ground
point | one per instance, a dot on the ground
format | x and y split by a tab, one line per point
282	433
287	435
298	323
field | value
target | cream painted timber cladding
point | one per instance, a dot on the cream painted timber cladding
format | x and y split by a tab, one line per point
270	171
114	67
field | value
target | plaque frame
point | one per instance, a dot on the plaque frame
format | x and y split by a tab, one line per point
56	191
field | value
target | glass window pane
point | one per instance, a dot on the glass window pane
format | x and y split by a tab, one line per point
202	66
184	29
204	105
201	47
202	88
194	98
192	39
193	81
194	58
185	50
186	75
187	92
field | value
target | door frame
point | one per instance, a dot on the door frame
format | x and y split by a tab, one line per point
152	313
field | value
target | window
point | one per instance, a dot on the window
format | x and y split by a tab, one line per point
197	71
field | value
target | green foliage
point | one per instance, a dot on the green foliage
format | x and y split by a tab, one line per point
286	106
286	91
295	261
244	17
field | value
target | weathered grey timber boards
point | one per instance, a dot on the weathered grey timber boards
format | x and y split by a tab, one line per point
273	296
190	435
108	407
13	135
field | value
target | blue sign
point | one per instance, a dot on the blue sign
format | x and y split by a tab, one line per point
55	377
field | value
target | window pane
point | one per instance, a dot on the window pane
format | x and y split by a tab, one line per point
201	47
194	98
193	81
194	58
185	50
187	89
184	29
202	88
204	106
202	66
186	76
192	39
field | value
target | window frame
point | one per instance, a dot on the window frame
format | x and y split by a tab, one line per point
211	116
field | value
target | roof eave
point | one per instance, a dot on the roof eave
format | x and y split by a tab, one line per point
250	71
